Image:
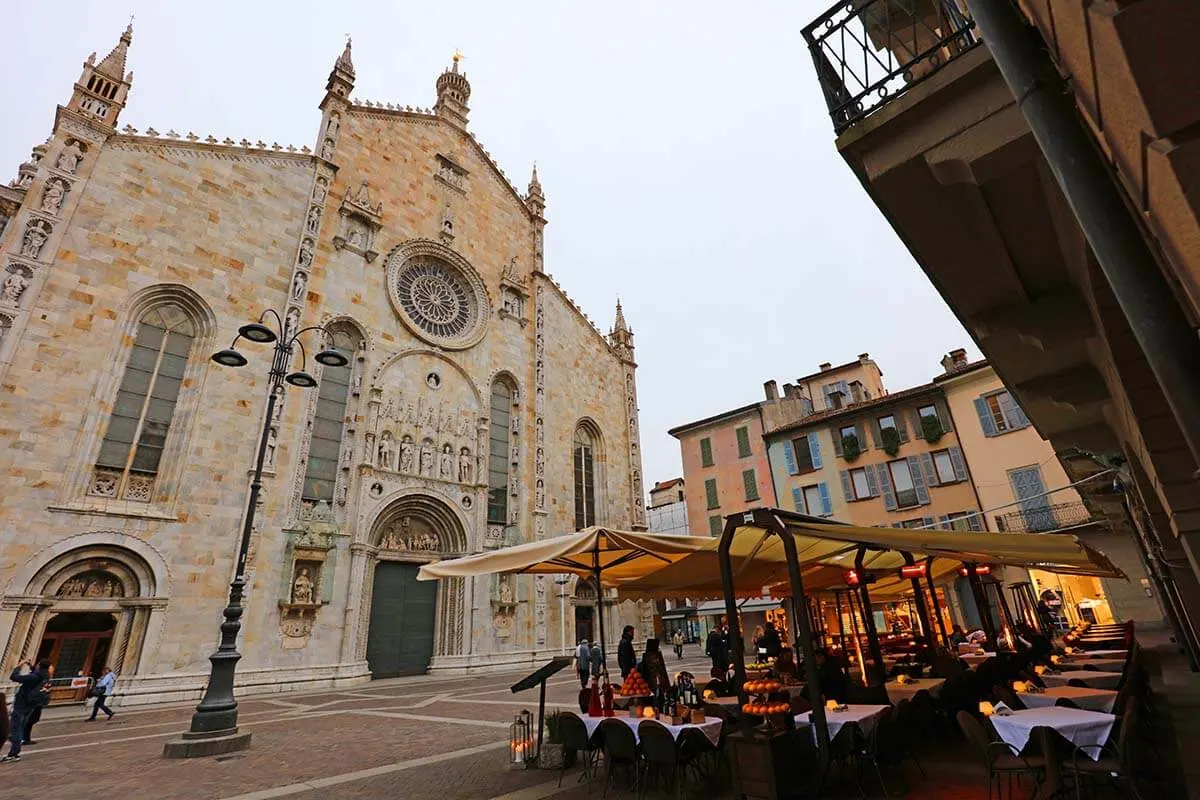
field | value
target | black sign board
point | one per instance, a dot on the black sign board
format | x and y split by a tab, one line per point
542	674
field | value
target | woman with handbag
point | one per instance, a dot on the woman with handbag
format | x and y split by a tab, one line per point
104	688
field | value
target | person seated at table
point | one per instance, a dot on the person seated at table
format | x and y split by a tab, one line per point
717	683
957	636
829	673
654	668
785	665
1038	643
769	642
977	637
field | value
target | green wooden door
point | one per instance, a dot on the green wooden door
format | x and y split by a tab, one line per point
400	638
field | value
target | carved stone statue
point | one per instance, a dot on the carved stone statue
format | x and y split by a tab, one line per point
35	236
272	443
446	469
406	454
321	190
302	588
292	323
507	593
314	220
539	494
385	451
331	129
52	198
14	286
327	150
427	459
465	466
306	253
298	283
69	158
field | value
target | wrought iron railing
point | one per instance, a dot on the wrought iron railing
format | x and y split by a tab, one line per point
867	52
1046	518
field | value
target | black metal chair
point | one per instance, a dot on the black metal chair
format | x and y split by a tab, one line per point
620	750
1000	758
1114	761
575	737
1080	682
1003	694
659	754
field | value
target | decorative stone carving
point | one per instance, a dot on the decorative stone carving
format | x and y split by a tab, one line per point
539	608
303	588
53	196
306	253
36	233
107	483
291	323
406	455
412	535
446	463
426	458
296	624
451	174
361	221
386	452
15	284
327	149
466	466
313	221
92	584
69	158
320	191
299	281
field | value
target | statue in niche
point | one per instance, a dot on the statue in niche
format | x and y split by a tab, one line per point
446	466
406	455
298	283
385	450
52	198
510	270
272	443
464	424
342	494
35	236
356	381
507	592
302	588
539	431
69	158
539	494
427	458
327	150
306	253
292	323
465	465
321	190
14	286
355	237
410	414
331	128
314	220
347	455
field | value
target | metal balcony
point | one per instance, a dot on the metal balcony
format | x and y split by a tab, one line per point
1046	518
867	52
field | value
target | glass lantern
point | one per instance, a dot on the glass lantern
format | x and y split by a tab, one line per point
520	740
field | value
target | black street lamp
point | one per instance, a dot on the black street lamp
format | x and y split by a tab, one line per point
214	725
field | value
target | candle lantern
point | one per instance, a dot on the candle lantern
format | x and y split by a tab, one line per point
520	739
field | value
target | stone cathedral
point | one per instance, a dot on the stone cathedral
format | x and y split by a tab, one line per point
480	407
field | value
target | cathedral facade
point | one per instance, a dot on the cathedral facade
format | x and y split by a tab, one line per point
479	409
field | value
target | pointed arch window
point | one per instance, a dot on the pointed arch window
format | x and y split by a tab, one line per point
498	452
131	451
585	444
329	422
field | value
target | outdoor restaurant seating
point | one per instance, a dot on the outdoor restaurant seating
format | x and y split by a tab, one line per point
575	738
620	751
1001	759
659	753
1113	761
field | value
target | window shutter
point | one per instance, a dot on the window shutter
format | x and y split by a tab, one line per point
743	442
789	458
715	526
874	425
914	468
750	482
960	465
826	501
706	458
975	521
943	413
985	417
944	522
901	425
814	447
847	486
798	500
931	477
1018	415
928	522
844	388
836	435
710	491
806	406
872	486
885	486
861	432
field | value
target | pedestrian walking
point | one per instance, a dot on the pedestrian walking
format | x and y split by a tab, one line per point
28	697
36	715
678	642
626	656
103	690
714	648
597	657
583	663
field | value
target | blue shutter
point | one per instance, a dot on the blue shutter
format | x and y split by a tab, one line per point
985	417
872	487
960	465
798	500
844	388
914	468
826	502
931	476
789	458
885	485
975	521
928	522
1019	419
814	449
944	522
806	406
847	486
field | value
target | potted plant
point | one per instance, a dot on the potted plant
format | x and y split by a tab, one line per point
850	447
931	429
891	440
553	755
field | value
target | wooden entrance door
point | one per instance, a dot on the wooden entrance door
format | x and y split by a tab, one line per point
400	637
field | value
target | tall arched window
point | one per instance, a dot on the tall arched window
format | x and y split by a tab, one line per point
585	477
498	452
141	416
329	422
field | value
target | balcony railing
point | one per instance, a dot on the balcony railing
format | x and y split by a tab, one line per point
868	51
1046	518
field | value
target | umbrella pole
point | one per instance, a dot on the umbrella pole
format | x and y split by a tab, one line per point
981	605
736	649
869	619
922	614
600	607
837	599
933	601
817	715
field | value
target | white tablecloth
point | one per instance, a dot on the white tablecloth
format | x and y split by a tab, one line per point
1103	664
1095	680
1076	726
865	716
975	659
711	728
1101	654
897	692
1092	699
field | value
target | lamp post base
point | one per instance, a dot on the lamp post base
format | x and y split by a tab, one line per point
200	745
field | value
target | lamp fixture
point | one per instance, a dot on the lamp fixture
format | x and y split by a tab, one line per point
257	332
301	379
229	358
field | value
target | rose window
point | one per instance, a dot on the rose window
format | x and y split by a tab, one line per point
439	301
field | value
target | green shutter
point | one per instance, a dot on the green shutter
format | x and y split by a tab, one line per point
751	484
715	525
743	441
706	459
710	492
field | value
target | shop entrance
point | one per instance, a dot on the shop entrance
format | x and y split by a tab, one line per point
77	645
400	637
584	619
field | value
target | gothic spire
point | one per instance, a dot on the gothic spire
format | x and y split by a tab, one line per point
620	325
344	63
113	64
453	93
533	196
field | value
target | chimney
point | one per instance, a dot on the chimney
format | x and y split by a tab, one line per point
864	358
957	359
789	390
826	367
772	391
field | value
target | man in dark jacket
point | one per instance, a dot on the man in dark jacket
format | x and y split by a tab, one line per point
25	701
626	657
770	642
716	649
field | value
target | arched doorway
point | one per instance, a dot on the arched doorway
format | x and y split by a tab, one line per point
411	621
585	610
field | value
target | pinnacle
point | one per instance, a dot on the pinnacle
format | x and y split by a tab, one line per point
344	62
620	325
113	64
535	186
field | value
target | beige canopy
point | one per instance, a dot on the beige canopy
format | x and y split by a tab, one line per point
826	551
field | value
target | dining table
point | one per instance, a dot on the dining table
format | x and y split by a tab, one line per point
975	659
1088	654
863	715
1080	727
907	691
1082	696
1093	678
1101	664
711	728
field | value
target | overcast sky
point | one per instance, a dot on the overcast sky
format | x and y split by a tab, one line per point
684	148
